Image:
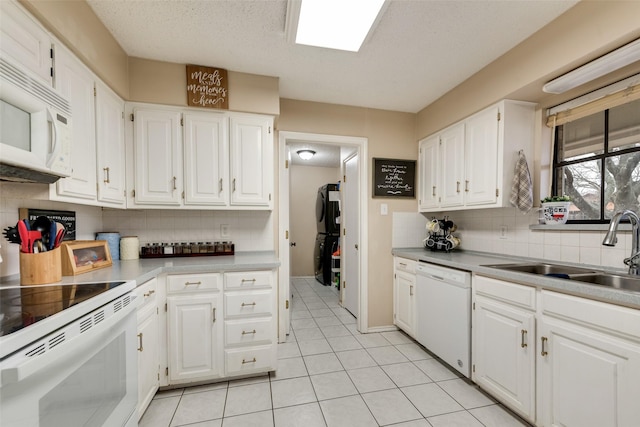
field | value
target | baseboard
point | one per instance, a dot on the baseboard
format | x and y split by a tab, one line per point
390	328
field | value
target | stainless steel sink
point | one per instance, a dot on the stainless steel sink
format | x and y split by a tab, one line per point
629	283
544	269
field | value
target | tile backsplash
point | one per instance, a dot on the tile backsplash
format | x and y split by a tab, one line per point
506	231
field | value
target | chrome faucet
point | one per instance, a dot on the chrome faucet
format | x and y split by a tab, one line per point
610	239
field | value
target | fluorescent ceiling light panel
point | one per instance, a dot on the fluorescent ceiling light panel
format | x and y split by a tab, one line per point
612	61
336	24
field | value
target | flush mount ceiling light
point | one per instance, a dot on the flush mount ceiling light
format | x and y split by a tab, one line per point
334	24
608	63
306	154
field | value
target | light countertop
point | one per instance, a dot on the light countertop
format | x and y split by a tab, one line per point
475	262
142	270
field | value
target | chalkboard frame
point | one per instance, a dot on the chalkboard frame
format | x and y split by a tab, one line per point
379	177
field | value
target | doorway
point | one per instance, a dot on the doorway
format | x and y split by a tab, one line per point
352	149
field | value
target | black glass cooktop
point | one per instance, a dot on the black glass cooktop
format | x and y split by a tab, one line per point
27	305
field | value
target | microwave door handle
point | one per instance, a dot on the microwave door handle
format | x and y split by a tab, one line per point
53	138
83	343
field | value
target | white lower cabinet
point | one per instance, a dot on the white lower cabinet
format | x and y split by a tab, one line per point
148	345
588	363
404	295
220	325
555	359
194	329
504	343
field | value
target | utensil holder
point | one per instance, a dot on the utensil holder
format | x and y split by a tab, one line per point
41	268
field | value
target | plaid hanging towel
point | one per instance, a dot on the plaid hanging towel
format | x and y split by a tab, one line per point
522	187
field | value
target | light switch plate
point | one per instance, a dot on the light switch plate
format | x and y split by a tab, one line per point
384	209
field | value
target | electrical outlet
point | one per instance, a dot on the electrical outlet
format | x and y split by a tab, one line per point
224	230
503	231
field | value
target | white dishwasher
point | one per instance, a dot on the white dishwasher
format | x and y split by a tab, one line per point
443	314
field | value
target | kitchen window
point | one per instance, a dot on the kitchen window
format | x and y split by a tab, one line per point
597	163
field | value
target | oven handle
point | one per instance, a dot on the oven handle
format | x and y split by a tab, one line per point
82	343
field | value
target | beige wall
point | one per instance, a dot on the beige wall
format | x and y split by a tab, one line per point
165	83
75	24
586	31
304	183
390	134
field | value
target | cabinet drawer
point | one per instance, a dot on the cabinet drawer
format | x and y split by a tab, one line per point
523	296
248	303
404	264
248	279
193	282
249	331
249	360
147	293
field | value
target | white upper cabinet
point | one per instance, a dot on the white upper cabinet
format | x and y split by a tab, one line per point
481	157
76	83
477	158
157	145
251	160
206	159
452	149
429	160
25	41
110	146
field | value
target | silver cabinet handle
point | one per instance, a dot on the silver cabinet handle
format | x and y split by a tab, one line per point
147	294
248	280
106	180
174	183
221	185
214	315
543	341
234	184
193	283
140	341
246	305
248	333
433	191
523	344
411	290
466	186
457	186
249	361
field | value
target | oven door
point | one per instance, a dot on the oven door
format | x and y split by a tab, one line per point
89	381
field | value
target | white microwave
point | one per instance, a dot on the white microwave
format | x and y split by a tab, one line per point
35	128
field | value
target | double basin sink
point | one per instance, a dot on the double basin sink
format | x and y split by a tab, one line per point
595	277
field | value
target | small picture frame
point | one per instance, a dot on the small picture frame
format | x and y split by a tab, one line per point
394	178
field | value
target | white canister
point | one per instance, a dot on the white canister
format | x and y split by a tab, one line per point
129	246
113	240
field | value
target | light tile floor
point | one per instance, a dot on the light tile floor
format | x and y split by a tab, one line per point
331	375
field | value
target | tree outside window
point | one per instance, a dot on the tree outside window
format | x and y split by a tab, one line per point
597	163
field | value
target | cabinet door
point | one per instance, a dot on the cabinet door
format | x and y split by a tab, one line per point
504	353
195	337
251	161
481	155
452	149
586	378
157	151
148	357
405	284
110	146
76	83
25	41
206	159
429	172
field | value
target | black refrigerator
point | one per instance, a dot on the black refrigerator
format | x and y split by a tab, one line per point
328	226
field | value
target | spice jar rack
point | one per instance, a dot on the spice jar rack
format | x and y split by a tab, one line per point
170	250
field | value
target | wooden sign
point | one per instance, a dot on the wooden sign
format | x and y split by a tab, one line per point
207	87
394	178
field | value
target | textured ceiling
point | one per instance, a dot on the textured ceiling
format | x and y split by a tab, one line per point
419	50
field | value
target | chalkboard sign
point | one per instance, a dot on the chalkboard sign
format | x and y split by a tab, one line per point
207	87
66	218
394	178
